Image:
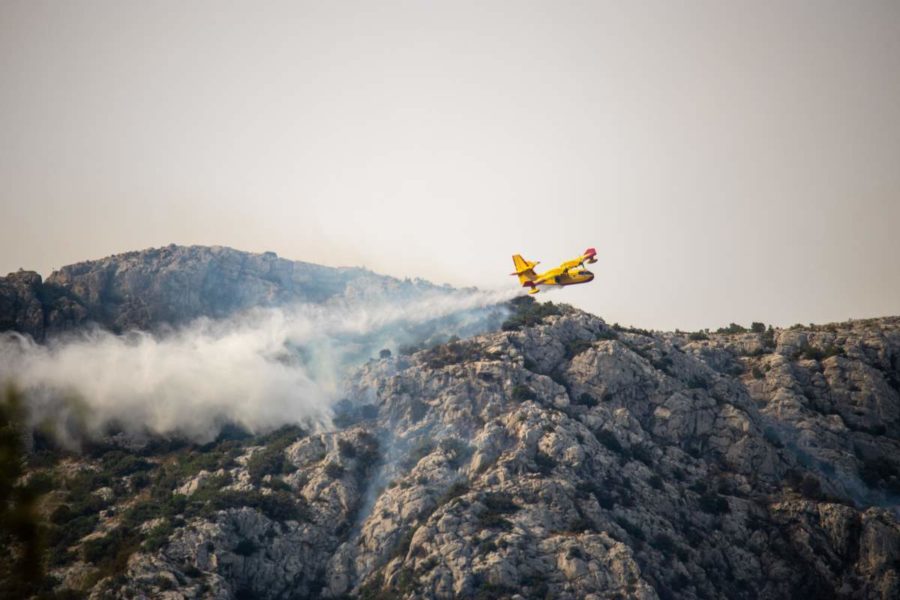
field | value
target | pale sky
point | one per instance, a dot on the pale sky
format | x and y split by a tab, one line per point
730	161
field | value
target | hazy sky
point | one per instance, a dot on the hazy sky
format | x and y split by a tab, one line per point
730	161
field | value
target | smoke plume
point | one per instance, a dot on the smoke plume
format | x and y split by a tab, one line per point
260	369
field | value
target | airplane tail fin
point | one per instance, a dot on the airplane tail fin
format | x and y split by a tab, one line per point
524	269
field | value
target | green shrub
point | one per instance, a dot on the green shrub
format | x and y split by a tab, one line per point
757	327
544	463
585	399
409	349
82	486
457	489
643	454
609	440
120	464
528	313
347	449
451	353
713	503
608	333
277	484
575	347
266	461
139	481
458	452
159	536
492	520
206	458
732	329
631	529
697	382
70	531
277	505
170	506
271	460
580	524
422	447
111	552
334	470
522	393
880	473
770	434
367	452
633	330
663	543
811	353
245	548
499	502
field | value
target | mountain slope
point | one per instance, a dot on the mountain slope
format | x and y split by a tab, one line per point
559	458
173	285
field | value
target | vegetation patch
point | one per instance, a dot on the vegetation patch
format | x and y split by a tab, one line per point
544	463
632	529
457	489
528	313
245	547
451	353
497	505
732	328
714	504
268	461
642	453
334	470
585	399
812	353
522	393
457	451
277	505
417	451
634	330
880	473
697	382
575	347
609	440
119	464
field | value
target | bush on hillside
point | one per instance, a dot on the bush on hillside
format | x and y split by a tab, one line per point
528	313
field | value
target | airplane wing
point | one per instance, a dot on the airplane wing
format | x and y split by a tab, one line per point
570	264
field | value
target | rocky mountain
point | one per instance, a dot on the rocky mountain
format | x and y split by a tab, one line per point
30	306
172	285
560	457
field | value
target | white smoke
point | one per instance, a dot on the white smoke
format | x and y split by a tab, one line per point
261	369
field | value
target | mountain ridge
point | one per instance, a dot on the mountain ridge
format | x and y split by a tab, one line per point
171	285
557	457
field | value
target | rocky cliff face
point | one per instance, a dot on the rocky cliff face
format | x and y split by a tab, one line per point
561	458
173	285
30	306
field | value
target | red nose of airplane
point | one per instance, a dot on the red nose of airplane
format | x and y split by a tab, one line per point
590	252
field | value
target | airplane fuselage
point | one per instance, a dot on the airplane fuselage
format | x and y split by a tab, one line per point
572	277
571	272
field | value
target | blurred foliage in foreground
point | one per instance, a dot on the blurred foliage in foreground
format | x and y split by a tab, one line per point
20	529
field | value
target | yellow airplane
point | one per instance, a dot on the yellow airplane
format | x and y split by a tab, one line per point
568	273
